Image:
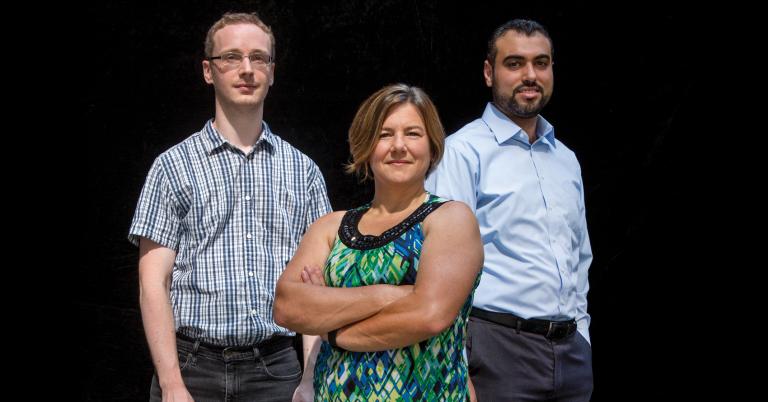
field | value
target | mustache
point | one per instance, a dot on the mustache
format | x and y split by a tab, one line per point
525	87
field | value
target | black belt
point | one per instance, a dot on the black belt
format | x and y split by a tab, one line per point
554	330
267	347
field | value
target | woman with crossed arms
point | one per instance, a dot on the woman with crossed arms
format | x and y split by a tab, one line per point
400	271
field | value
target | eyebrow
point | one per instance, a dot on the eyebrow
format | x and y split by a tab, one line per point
241	52
520	58
420	128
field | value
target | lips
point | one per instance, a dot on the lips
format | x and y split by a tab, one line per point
529	93
526	90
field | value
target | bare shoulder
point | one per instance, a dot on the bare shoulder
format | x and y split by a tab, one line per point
453	214
330	219
327	225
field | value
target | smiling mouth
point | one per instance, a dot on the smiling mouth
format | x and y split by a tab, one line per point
530	94
529	89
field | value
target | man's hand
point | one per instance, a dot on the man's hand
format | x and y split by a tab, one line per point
472	395
305	392
176	393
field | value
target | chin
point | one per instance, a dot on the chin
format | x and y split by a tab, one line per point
403	180
248	101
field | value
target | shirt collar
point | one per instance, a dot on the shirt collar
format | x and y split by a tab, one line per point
503	128
214	140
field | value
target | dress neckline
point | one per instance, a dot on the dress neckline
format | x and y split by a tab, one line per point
350	234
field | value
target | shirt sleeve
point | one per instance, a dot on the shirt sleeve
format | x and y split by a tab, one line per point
319	204
455	177
156	216
582	280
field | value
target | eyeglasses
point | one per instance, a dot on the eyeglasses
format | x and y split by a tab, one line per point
235	59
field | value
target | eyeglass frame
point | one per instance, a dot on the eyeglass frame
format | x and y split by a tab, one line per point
268	61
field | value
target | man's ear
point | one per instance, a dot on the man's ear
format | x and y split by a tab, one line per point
488	73
207	73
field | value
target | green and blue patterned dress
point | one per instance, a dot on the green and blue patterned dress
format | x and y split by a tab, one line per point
432	370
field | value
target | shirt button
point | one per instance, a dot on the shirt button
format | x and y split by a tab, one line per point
250	273
247	197
248	235
253	312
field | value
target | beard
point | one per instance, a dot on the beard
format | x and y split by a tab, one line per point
510	106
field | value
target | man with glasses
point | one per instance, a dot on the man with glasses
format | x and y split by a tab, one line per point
529	327
220	215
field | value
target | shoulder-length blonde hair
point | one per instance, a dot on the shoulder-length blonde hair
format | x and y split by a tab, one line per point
366	126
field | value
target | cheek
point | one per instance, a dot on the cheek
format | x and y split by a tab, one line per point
424	151
217	78
507	82
378	154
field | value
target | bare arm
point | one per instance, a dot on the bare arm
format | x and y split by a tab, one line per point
314	310
155	267
452	256
472	395
305	392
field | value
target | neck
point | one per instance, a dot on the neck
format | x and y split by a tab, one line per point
393	199
240	126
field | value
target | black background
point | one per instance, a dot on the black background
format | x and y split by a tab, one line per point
623	102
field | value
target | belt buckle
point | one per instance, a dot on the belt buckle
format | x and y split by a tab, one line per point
557	330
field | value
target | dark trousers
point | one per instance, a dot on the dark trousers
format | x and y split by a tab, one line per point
507	365
216	374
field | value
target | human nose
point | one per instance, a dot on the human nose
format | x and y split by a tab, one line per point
398	142
529	72
245	65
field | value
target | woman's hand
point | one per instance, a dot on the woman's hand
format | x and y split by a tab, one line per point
313	275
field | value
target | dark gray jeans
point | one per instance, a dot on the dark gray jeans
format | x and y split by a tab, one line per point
215	375
509	366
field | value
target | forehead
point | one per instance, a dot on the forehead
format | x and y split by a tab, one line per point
404	113
241	37
518	44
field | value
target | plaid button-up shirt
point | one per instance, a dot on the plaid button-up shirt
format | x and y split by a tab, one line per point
235	220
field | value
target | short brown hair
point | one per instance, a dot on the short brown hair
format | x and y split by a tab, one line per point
234	19
521	26
365	128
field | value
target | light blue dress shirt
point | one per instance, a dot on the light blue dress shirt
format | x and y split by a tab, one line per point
529	203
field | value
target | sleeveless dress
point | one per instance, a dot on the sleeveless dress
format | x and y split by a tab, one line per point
432	370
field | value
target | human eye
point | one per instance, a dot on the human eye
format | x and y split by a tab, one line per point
232	58
259	58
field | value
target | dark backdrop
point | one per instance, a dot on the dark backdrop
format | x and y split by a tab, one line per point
622	102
